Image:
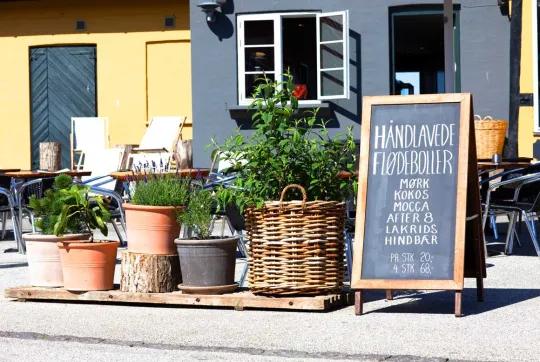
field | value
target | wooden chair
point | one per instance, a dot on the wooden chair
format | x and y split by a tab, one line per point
158	143
87	133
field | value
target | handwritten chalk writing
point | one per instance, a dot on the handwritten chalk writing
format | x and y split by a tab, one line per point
414	136
412	206
431	162
403	217
411	194
416	229
411	240
411	183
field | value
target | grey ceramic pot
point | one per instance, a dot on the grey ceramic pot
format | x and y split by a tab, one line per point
207	263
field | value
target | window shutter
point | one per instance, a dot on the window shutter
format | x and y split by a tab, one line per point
333	55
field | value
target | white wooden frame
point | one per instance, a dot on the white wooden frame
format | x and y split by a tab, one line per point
79	150
243	98
536	106
346	61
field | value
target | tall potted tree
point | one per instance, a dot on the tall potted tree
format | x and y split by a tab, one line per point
290	191
207	262
71	215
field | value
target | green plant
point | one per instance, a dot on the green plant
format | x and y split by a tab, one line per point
286	148
197	216
160	190
67	209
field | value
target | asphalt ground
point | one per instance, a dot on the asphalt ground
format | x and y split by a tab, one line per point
415	326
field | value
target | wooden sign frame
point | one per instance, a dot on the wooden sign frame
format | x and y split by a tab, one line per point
466	163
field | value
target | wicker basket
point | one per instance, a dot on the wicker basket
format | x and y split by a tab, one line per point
490	135
296	247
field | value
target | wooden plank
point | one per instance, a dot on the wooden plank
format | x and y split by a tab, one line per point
240	300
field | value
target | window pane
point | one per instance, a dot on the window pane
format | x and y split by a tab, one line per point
332	55
252	80
332	28
259	59
332	82
259	32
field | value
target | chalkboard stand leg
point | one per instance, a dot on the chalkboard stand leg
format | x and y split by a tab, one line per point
480	288
458	303
389	295
359	302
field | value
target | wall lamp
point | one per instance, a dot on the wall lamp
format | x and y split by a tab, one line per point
210	7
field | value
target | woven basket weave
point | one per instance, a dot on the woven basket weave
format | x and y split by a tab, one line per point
296	247
490	135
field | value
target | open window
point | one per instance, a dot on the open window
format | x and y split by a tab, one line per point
313	47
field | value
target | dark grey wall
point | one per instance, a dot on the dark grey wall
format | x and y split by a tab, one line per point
484	61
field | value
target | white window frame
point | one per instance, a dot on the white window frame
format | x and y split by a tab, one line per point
346	60
536	106
243	99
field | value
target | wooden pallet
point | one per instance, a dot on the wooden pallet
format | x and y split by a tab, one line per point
239	300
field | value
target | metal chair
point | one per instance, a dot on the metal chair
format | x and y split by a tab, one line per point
9	206
524	204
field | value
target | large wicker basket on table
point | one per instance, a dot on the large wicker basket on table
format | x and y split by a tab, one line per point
490	135
296	247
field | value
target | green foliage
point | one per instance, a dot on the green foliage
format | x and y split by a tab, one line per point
67	209
286	148
160	190
197	216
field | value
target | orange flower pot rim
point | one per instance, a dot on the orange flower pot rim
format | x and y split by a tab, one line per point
130	206
79	245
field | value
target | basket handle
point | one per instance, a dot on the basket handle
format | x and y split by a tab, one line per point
479	117
482	119
295	186
488	117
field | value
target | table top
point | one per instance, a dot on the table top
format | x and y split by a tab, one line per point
35	174
501	165
187	173
4	170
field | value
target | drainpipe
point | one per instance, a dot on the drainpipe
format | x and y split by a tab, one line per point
449	66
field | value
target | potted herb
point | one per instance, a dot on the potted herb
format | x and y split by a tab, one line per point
207	262
66	217
296	246
151	217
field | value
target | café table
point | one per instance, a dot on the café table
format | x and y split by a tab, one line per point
32	175
184	173
4	170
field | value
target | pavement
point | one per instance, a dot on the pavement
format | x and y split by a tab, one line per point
415	326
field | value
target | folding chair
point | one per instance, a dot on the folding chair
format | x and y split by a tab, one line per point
88	133
8	205
158	143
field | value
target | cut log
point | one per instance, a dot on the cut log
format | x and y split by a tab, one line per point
50	156
147	273
184	154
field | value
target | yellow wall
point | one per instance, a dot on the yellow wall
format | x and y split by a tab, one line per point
121	31
526	136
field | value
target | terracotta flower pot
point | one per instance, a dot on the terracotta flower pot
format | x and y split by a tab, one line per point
88	266
152	229
44	258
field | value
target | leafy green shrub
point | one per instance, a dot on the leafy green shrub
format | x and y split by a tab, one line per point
67	209
160	190
197	216
286	148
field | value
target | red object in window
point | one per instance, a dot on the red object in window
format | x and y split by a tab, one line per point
300	91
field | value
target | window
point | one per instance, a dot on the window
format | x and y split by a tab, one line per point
314	47
417	50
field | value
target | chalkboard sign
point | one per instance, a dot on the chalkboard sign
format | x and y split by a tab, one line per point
416	158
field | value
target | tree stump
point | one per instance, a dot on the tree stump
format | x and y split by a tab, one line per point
147	273
184	154
50	156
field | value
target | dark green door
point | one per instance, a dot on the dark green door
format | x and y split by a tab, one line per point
63	85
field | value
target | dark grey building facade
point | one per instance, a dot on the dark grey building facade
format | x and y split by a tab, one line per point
393	48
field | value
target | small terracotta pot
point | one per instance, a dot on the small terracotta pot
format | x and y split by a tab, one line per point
152	229
44	258
88	266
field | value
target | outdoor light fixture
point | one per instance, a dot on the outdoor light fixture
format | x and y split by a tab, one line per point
210	7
